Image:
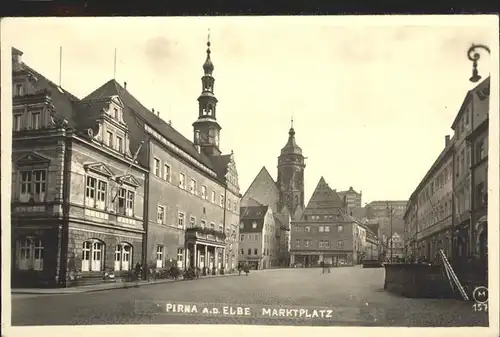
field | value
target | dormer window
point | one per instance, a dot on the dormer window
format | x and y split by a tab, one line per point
254	225
117	115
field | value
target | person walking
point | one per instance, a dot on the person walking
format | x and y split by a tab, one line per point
322	267
138	269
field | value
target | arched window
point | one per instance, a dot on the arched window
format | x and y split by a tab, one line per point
123	256
92	255
30	253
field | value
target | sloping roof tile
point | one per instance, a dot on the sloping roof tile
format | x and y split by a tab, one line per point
112	88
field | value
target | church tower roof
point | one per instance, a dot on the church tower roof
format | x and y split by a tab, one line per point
208	66
291	146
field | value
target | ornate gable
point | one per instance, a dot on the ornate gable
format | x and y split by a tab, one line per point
117	100
99	168
129	180
32	158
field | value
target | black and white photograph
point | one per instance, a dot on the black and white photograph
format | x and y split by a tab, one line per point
251	171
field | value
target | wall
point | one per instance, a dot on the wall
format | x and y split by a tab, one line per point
298	233
174	199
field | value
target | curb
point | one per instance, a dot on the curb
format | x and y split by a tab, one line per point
121	286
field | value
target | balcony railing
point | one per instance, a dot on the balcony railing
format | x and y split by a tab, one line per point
206	233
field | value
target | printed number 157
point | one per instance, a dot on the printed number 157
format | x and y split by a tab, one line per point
480	307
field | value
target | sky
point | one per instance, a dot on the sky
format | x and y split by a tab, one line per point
372	98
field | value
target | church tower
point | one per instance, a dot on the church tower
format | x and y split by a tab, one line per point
206	128
290	181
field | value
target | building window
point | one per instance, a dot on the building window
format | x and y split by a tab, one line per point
249	251
242	225
254	225
182	180
307	243
19	90
161	215
109	139
123	253
33	185
340	228
221	200
326	244
235	207
35	120
213	197
30	256
203	223
157	167
192	186
340	244
180	222
221	228
321	229
92	253
327	229
297	243
241	251
16	122
256	237
321	244
116	114
204	192
255	251
242	237
126	202
307	229
180	255
297	228
192	221
159	256
481	152
119	144
166	172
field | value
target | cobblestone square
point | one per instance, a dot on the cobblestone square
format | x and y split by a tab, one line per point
353	296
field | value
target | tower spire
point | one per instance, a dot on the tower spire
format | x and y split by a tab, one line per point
291	126
208	66
206	128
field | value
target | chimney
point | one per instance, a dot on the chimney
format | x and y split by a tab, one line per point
170	122
125	85
158	113
153	110
446	140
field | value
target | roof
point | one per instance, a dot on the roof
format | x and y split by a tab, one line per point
437	164
468	96
112	88
62	100
324	201
253	212
291	146
262	190
248	225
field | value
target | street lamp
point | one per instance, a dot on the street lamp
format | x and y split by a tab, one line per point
474	56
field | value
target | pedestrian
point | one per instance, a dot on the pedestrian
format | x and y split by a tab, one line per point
322	267
239	269
138	270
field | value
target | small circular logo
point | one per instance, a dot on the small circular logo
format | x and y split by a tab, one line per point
480	295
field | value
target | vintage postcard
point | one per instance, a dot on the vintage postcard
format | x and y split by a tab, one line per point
201	175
